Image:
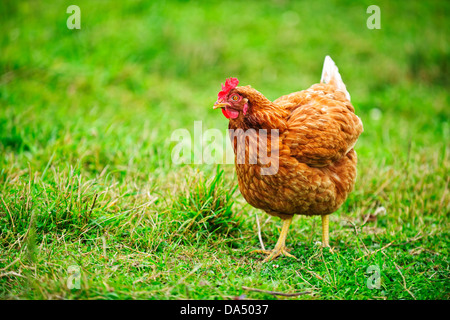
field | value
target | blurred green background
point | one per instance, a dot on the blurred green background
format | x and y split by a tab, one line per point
86	118
159	65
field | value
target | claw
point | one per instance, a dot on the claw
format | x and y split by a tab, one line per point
331	249
276	252
280	247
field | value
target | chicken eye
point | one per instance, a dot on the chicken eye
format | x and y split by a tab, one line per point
235	97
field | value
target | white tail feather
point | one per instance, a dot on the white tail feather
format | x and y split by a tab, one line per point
330	73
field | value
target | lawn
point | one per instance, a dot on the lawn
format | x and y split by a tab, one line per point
92	205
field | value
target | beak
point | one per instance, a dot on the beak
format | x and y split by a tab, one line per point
220	104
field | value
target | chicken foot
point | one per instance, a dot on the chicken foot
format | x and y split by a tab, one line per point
280	247
325	232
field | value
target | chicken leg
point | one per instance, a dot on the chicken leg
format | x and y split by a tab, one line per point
325	233
280	247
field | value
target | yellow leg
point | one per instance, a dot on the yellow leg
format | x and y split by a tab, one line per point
280	247
325	233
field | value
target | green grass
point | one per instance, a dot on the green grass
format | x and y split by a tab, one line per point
87	180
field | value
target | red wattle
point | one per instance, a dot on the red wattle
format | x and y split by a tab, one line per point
225	113
230	113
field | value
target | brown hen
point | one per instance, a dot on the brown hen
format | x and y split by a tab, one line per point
294	155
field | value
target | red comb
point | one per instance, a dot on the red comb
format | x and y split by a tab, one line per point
229	84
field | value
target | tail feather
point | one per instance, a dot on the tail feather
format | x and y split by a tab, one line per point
331	75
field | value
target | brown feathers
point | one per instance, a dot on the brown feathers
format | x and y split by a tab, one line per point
316	167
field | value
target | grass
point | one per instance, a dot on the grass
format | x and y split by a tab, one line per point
86	174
